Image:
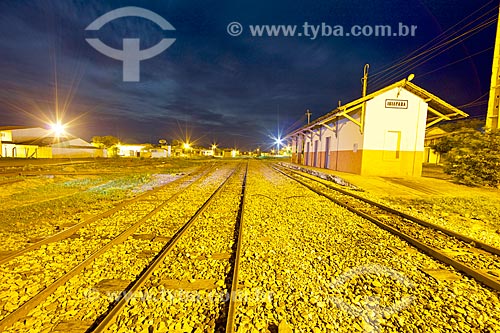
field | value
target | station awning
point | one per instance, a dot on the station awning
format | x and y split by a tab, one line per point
438	110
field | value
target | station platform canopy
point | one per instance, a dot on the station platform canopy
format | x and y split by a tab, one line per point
438	109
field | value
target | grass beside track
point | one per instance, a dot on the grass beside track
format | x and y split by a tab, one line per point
45	204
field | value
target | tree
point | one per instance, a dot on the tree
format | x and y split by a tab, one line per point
453	140
107	141
472	157
469	123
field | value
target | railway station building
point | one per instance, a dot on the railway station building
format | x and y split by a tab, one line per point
381	134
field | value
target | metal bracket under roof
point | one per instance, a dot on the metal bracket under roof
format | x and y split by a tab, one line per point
328	127
346	114
438	119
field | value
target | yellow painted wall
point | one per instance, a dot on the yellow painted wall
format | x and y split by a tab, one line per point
431	156
375	162
23	151
44	152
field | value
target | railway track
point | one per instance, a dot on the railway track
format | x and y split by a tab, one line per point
31	274
471	257
73	229
188	295
41	208
145	245
9	205
99	167
173	265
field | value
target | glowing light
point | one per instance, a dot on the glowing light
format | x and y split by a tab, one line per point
278	141
214	146
58	129
186	145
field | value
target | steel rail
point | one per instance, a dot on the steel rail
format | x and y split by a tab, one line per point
110	317
474	242
233	299
431	251
24	309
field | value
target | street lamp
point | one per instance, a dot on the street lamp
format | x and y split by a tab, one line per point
278	142
58	129
186	147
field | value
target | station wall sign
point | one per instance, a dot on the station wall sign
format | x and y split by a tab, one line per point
396	104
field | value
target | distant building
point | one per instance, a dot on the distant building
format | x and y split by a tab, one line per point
207	152
37	142
158	153
230	153
432	136
130	150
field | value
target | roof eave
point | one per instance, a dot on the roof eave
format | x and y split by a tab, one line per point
449	110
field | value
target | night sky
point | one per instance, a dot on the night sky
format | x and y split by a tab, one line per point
213	87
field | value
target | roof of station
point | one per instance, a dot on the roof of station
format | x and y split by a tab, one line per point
438	109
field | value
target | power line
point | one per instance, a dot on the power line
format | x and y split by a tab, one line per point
431	53
300	121
438	38
456	62
467	106
476	101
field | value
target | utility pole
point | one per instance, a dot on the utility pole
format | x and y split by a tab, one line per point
363	107
308	114
365	79
494	100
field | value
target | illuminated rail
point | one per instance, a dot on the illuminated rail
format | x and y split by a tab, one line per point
408	227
